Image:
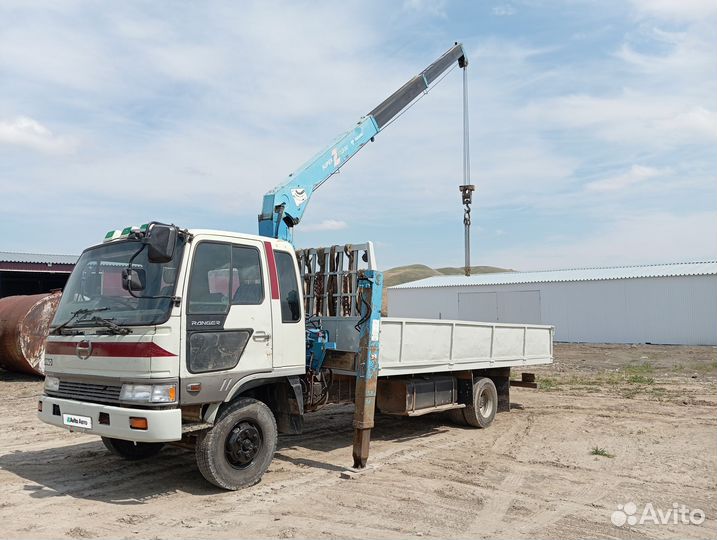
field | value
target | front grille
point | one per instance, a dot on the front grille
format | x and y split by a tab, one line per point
93	393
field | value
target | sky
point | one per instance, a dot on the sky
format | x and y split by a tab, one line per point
592	125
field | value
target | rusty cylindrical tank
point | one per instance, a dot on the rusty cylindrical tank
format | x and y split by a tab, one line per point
24	326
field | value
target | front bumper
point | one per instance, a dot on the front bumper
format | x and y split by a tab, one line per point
162	425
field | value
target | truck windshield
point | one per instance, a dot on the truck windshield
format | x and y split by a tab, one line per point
96	284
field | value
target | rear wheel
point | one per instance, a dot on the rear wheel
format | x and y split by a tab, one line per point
482	411
236	452
130	450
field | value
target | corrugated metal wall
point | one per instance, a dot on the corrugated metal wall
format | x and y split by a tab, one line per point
668	310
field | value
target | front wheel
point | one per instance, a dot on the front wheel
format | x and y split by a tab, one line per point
130	450
238	449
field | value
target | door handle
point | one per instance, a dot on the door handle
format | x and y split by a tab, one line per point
261	336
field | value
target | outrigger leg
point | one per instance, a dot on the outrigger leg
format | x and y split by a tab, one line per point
370	284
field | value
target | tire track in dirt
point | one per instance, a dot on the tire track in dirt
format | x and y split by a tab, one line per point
490	519
588	495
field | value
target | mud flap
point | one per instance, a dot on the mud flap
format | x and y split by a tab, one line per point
288	406
501	379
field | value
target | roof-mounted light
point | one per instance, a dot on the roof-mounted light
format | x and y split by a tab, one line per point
112	235
121	234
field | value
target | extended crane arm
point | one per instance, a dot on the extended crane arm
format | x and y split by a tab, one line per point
284	205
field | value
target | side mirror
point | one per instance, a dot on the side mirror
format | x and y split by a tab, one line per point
134	279
161	241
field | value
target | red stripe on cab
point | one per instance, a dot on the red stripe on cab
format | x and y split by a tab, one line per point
273	277
136	349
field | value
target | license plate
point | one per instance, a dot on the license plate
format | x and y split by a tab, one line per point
73	420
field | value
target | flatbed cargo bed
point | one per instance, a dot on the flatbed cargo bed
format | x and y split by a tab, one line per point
414	346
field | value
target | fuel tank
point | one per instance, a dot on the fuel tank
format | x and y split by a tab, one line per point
24	326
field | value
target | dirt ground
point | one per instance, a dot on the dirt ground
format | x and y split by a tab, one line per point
649	410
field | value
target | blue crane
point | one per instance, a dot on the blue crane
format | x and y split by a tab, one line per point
283	206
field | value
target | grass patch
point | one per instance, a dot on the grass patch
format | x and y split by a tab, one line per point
597	451
640	379
547	383
639	369
593	380
706	367
702	368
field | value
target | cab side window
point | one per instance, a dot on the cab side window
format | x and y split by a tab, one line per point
288	287
210	281
247	281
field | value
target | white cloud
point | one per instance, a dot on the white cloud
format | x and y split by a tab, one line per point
658	237
637	118
24	131
696	120
636	175
206	109
325	225
504	10
680	10
659	95
436	8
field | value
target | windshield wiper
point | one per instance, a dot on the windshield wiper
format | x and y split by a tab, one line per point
113	328
75	314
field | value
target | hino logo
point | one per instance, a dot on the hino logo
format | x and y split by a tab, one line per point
206	323
83	349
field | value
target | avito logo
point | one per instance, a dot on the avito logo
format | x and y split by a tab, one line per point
627	514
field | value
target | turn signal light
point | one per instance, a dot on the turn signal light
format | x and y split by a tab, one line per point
39	406
137	422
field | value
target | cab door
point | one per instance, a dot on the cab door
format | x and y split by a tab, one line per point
228	317
288	314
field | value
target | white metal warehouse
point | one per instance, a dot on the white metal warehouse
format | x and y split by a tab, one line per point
665	303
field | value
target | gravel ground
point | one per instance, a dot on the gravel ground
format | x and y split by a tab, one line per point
648	412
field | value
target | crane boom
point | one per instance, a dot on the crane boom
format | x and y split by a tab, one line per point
283	206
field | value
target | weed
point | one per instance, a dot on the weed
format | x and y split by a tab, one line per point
547	383
597	451
640	369
704	367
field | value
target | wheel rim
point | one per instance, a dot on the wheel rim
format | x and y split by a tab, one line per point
485	404
243	444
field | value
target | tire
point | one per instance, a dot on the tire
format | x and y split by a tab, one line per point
482	411
132	451
236	452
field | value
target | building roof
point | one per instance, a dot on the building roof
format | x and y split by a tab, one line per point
37	258
573	274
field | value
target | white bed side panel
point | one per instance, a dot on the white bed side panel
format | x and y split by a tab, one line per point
422	345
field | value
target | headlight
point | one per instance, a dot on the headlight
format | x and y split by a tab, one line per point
149	393
136	392
52	384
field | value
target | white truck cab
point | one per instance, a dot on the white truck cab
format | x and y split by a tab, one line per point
145	351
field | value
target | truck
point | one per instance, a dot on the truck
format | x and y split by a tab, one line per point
219	341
